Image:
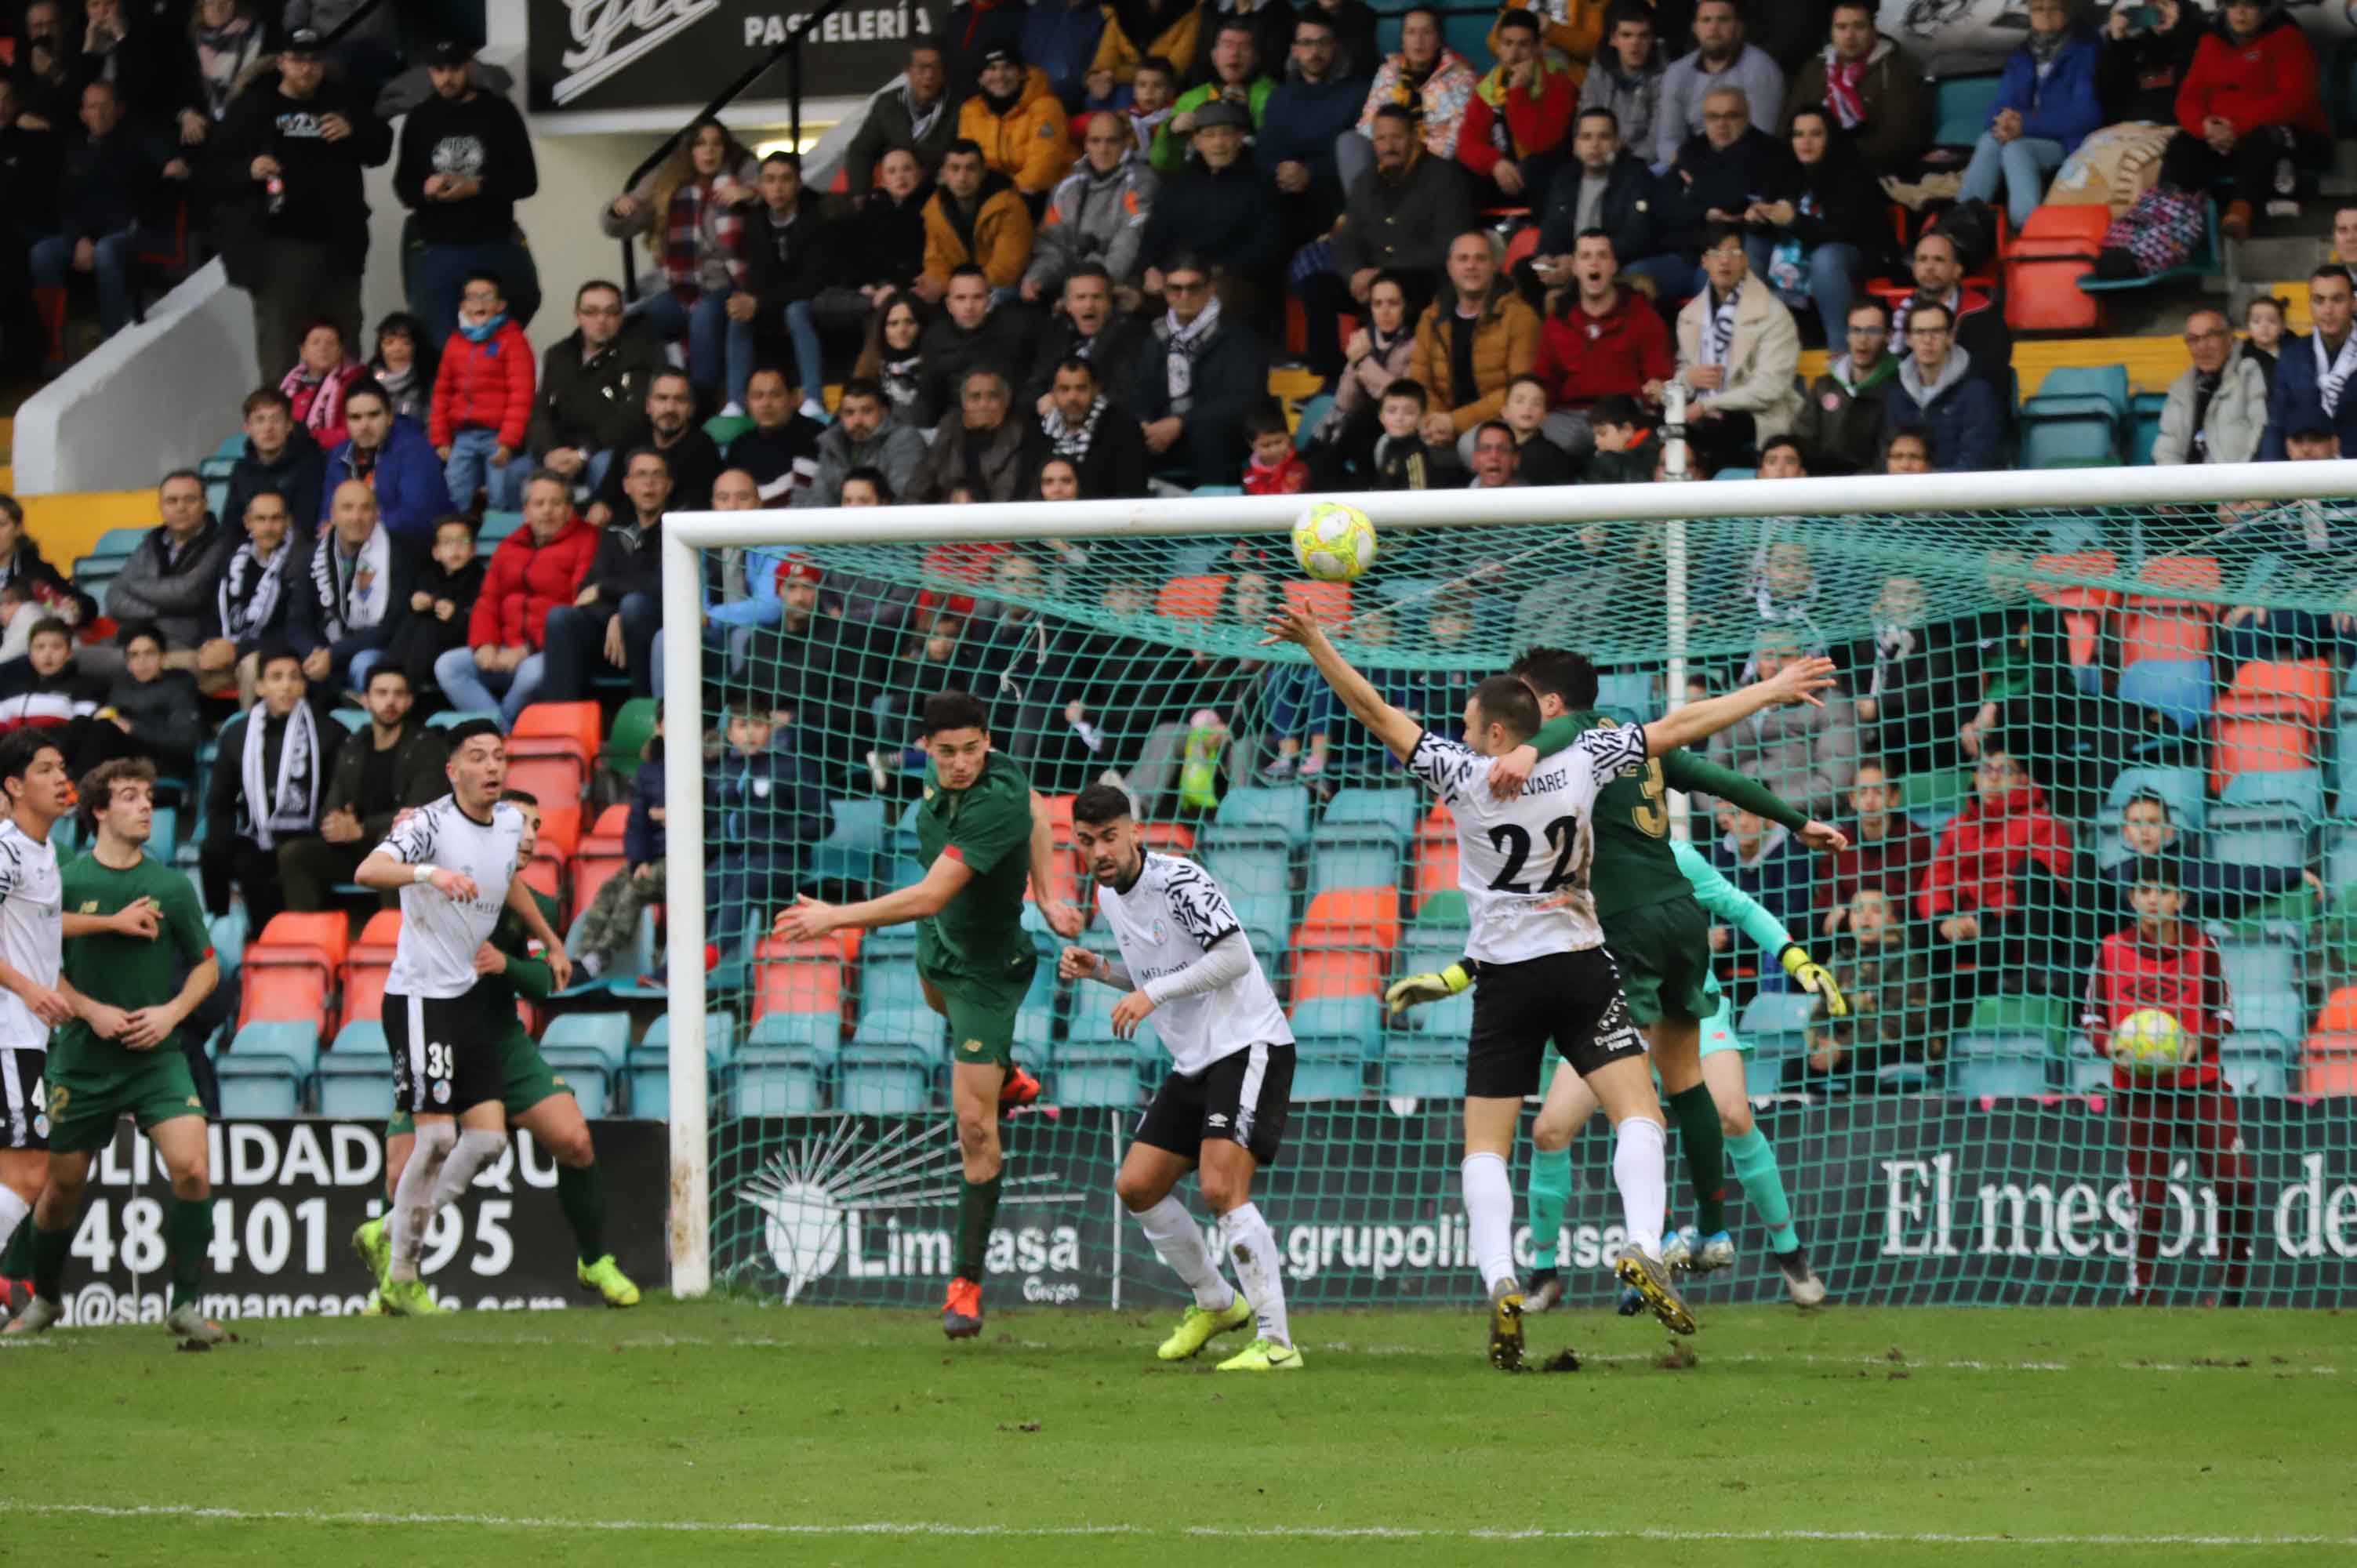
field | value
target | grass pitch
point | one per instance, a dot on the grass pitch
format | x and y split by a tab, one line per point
721	1432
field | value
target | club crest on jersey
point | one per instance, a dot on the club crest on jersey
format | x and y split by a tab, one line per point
442	1092
1158	933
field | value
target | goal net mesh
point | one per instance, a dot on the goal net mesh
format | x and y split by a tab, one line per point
2037	709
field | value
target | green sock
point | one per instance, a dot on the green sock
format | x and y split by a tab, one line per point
582	1195
1548	1196
189	1227
49	1249
1705	1143
1754	1158
16	1261
977	1207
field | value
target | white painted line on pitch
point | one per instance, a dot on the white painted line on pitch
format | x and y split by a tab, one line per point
1224	1532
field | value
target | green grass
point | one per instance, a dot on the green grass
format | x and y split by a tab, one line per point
1905	1424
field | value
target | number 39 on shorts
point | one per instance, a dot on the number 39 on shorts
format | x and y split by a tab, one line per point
438	1061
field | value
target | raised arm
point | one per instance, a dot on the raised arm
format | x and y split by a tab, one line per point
1063	918
809	919
1298	623
1799	680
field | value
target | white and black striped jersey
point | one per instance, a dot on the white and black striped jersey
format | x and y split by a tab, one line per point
32	930
1166	921
1523	863
440	936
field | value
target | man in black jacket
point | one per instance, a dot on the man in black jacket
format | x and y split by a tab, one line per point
592	384
1222	209
914	112
292	225
786	263
1723	169
1085	326
1095	434
1398	216
356	594
396	763
268	792
879	247
1604	185
279	455
780	452
1195	379
668	428
620	605
465	161
971	334
111	191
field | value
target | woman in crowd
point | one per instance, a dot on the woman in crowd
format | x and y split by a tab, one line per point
406	360
317	383
692	209
894	358
1831	227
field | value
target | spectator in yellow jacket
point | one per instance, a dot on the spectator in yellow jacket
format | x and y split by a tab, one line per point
1017	123
974	215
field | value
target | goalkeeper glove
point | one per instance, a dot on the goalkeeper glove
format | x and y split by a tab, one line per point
1813	978
1407	993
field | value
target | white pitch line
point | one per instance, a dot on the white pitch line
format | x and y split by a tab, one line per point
1222	1532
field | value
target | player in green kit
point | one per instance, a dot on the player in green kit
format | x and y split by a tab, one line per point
537	1098
1657	932
980	830
129	920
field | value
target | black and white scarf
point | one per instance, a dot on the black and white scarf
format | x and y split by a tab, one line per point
921	121
290	804
1063	441
250	589
355	597
1720	336
2332	376
1184	342
903	382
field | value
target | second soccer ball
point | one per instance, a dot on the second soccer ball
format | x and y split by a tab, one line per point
1334	541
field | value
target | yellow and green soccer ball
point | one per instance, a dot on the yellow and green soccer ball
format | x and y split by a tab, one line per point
2149	1040
1334	541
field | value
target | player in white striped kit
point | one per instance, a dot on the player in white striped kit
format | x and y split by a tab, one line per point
1185	959
1544	975
34	998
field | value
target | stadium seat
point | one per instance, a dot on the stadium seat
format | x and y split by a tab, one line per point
589	871
1776	1023
2047	1018
363	1036
550	778
2320	1076
356	1085
1424	1065
885	1080
778	1081
852	852
2178	689
1331	974
2079	391
1355	854
646	1076
919	1029
2239	747
1090	1073
2206	258
276	985
295	1042
2297	791
1931	799
1313	413
2275	1010
579	724
1960	108
1436	871
608	1034
2181	788
2143	430
1999	1066
818	1032
2277	842
1285	812
1352	918
450	718
1335	1038
321	937
797	977
257	1087
585	1072
364	990
2043	265
1401	810
719	1035
2076	441
2290	689
496	526
1190	598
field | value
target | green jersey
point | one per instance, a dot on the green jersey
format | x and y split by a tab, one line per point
129	972
527	976
1633	866
987	827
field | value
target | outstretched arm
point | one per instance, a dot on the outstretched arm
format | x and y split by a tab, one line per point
809	919
1800	680
1298	623
1063	918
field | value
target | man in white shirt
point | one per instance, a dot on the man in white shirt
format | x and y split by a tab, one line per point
1184	955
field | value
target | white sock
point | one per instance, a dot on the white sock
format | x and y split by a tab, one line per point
477	1148
413	1196
1252	1245
1178	1241
1489	1215
14	1211
1644	1191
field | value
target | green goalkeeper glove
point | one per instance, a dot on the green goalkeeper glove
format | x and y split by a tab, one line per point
1814	978
1407	993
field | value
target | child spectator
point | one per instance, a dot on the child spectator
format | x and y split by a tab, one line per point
156	706
405	365
482	400
2164	961
1628	448
316	386
610	924
1276	469
1539	461
1888	984
43	689
440	604
761	800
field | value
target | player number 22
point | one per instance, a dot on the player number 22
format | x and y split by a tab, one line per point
1509	840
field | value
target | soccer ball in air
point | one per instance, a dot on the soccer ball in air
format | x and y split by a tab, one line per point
1334	542
2149	1040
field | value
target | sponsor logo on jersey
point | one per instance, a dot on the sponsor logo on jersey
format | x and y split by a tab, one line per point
442	1092
1216	1119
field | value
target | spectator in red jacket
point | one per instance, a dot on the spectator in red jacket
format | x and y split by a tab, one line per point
2165	961
1886	851
2251	109
1519	118
482	400
535	569
1977	896
1599	340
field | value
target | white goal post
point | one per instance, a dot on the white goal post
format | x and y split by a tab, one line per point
684	534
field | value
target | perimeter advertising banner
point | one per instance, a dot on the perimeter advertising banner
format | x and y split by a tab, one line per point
1963	36
677	54
289	1194
1903	1199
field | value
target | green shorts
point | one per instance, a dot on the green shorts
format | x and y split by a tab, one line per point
83	1107
982	1013
1718	1031
525	1079
1664	952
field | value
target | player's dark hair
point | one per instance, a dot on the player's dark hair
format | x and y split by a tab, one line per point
1560	673
953	709
97	786
459	733
520	798
1101	803
1508	703
18	751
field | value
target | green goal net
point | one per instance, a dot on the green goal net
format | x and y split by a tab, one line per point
2095	764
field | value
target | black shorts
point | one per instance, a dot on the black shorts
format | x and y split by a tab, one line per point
24	1108
1571	998
1241	1097
446	1053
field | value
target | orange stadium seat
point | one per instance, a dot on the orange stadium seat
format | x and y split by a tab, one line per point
2300	690
2044	263
2255	745
560	828
379	937
1338	973
2154	628
2332	1075
1436	865
1190	598
1330	602
796	977
324	937
591	870
553	779
1171	838
1354	918
579	723
363	989
2339	1019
